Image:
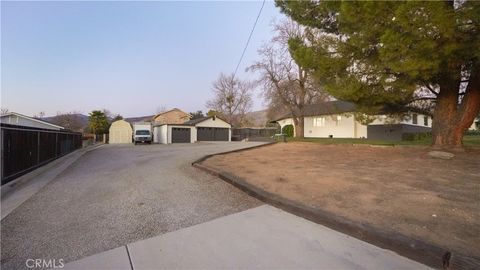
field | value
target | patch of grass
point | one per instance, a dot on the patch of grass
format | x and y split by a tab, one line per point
471	140
468	140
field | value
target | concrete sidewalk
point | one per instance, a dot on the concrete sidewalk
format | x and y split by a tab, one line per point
262	237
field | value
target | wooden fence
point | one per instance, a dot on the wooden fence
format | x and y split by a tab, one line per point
27	148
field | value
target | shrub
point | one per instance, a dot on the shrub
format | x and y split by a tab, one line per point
416	136
288	130
473	132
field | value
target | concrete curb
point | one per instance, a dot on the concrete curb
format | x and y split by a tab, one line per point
426	253
16	192
232	151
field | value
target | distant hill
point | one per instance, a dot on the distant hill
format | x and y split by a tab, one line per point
76	122
79	122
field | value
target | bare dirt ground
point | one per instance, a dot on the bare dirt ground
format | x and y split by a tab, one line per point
397	189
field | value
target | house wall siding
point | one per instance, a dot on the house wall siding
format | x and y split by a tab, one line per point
160	134
383	119
218	123
348	127
345	127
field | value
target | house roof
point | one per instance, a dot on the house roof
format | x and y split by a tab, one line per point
325	108
146	118
193	122
174	109
32	119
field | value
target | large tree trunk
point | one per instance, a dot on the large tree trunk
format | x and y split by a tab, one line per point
450	120
299	126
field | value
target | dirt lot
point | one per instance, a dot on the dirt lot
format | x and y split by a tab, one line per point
394	188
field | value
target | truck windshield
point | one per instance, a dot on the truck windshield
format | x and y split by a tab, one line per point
142	132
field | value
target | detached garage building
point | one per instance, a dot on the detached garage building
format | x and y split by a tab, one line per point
172	133
120	132
202	129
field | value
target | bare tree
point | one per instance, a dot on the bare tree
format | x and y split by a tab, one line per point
108	114
275	108
3	111
232	100
40	115
287	86
70	120
161	109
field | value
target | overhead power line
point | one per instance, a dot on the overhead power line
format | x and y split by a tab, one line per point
248	40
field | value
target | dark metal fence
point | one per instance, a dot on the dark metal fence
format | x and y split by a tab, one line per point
27	148
254	134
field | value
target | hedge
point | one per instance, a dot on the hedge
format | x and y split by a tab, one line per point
288	130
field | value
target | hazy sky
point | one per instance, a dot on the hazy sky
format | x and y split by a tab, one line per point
127	57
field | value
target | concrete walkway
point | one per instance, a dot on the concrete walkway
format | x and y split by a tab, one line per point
261	237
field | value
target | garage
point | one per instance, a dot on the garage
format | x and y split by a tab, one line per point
181	135
212	134
209	128
120	132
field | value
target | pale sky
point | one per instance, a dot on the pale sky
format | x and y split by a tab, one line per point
128	57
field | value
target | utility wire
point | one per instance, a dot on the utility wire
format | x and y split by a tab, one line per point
248	40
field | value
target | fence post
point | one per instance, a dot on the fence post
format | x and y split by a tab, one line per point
56	145
2	149
38	147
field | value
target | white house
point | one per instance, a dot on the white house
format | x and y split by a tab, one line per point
13	118
203	129
336	119
475	125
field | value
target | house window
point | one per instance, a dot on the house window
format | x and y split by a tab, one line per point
425	121
319	121
415	119
339	118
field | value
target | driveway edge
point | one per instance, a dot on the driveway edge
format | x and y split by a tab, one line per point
420	251
16	192
231	151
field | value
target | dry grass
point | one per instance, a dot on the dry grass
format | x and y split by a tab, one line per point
396	188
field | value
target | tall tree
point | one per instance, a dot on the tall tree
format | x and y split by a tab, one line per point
69	120
389	54
196	115
287	85
117	117
232	99
98	122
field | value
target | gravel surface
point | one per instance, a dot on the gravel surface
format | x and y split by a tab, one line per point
116	195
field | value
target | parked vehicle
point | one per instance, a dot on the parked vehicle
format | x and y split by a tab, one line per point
142	133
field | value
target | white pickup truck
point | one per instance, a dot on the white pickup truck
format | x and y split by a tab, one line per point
142	132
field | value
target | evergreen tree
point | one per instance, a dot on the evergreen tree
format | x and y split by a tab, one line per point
98	122
388	55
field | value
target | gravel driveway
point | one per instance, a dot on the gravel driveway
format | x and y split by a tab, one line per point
116	195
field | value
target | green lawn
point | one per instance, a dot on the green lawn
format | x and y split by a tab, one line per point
468	140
